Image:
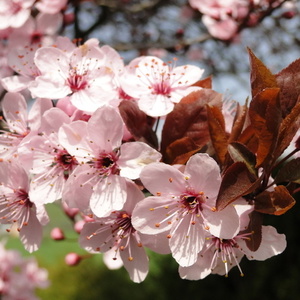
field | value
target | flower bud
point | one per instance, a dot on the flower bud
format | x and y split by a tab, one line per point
57	234
72	259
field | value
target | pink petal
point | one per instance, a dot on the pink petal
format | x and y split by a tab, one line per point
107	121
151	215
155	105
52	62
223	224
47	187
36	112
15	112
186	241
204	174
15	83
186	75
78	189
73	138
273	243
163	179
135	261
100	242
134	157
46	87
200	269
109	194
31	235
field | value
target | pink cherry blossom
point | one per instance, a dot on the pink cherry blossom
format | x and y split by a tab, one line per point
98	182
222	17
115	63
46	160
183	206
220	255
51	6
20	124
16	207
158	85
224	29
82	75
116	231
21	61
5	69
14	13
20	276
40	30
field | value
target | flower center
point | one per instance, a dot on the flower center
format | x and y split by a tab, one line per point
106	163
76	81
36	37
123	225
123	95
22	198
162	87
66	161
16	209
225	249
192	201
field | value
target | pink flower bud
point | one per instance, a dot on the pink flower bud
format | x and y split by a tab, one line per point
65	105
72	259
57	234
78	226
70	212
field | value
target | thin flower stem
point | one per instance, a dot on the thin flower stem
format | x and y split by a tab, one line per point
156	125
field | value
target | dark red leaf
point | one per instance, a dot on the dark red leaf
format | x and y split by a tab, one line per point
238	123
260	76
276	202
236	182
288	80
205	83
289	172
218	135
138	123
241	153
254	228
181	150
265	116
189	119
288	128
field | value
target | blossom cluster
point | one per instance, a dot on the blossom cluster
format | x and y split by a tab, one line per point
79	128
223	19
19	277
